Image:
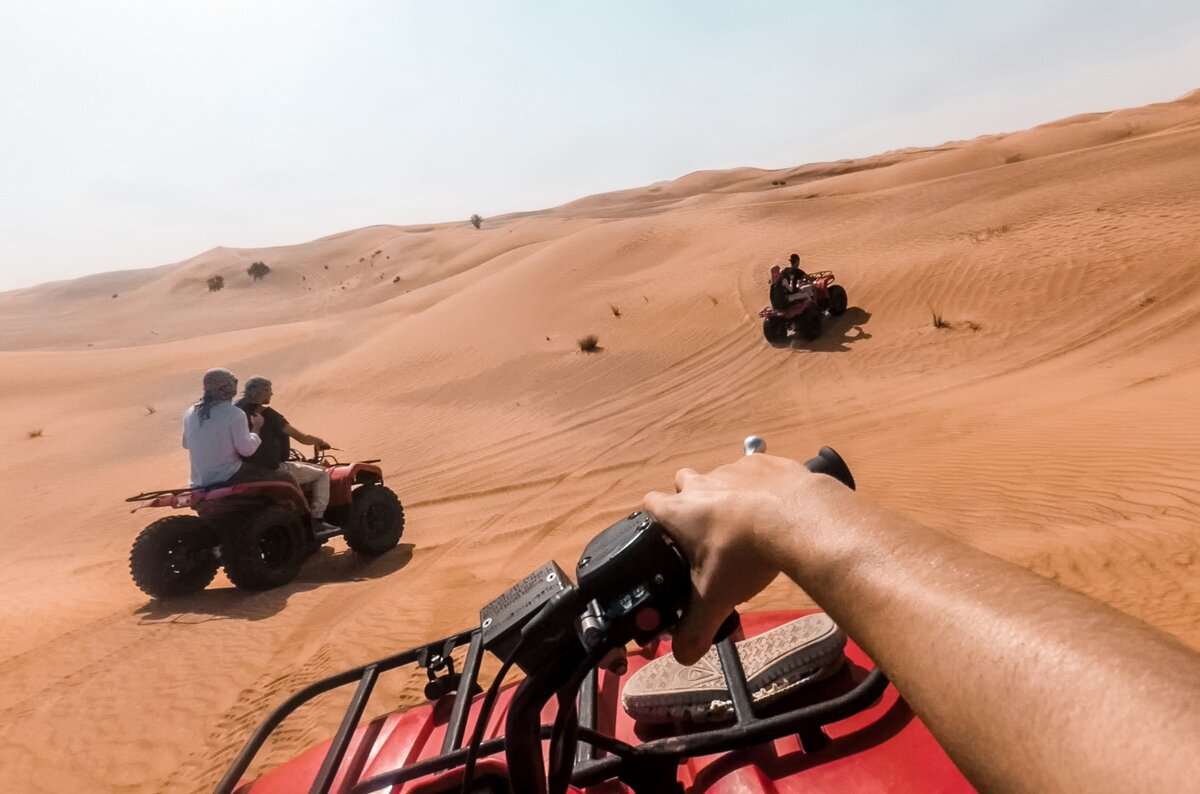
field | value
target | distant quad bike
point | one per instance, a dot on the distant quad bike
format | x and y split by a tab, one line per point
800	307
261	532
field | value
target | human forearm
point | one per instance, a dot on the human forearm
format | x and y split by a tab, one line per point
1028	685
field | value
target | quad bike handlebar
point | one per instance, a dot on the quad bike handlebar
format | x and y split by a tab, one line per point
632	583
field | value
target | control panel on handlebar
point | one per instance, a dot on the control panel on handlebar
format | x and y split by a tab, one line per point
632	583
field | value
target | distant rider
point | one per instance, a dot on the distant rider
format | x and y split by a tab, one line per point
786	284
216	436
793	274
273	453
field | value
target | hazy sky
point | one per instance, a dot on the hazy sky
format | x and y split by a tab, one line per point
135	134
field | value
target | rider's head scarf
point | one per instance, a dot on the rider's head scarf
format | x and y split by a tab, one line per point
219	386
256	390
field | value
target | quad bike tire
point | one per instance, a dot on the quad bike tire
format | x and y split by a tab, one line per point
174	556
264	548
775	330
808	323
837	300
376	521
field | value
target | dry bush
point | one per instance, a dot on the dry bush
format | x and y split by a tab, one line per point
589	344
151	410
615	310
34	433
476	220
974	326
216	283
258	269
938	320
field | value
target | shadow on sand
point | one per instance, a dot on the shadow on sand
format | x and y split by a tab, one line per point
838	335
326	566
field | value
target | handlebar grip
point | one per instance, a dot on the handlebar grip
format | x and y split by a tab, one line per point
829	462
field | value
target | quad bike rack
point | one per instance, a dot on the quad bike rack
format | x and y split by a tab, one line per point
648	767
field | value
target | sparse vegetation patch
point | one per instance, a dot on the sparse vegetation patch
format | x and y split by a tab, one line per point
34	433
258	270
938	320
476	220
589	344
216	283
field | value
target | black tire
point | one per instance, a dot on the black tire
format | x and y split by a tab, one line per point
174	556
837	300
377	521
808	324
264	548
775	330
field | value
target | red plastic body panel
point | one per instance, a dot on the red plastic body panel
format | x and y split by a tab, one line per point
283	492
884	749
342	478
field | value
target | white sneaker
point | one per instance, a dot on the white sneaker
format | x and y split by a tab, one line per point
321	525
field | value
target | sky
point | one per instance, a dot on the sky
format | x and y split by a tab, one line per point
139	133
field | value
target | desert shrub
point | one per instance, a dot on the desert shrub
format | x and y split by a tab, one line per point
34	433
476	220
258	270
615	310
589	344
151	410
938	320
216	283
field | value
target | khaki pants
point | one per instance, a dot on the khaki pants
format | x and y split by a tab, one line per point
306	473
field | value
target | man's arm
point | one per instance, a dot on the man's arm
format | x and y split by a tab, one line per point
244	441
1027	685
304	438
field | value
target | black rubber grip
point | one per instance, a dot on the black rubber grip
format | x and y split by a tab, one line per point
829	462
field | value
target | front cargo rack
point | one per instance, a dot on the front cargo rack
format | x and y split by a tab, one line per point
647	767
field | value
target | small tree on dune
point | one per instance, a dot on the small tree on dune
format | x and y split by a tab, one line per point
258	270
476	220
216	283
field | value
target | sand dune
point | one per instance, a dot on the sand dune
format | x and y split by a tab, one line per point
1054	423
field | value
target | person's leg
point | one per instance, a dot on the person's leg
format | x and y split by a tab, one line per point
306	473
249	472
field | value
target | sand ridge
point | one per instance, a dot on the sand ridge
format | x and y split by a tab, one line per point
1053	424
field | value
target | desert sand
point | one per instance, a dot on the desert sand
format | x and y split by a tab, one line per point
1054	423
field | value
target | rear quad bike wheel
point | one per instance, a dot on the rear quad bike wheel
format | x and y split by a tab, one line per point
808	323
376	521
264	548
837	300
174	556
775	330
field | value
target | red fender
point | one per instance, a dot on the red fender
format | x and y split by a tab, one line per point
342	479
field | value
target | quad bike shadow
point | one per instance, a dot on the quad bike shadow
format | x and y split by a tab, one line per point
838	334
261	533
229	603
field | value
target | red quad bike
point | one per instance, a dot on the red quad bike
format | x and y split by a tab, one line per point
849	733
261	531
799	306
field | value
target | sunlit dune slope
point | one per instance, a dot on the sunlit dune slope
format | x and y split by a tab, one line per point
1052	423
